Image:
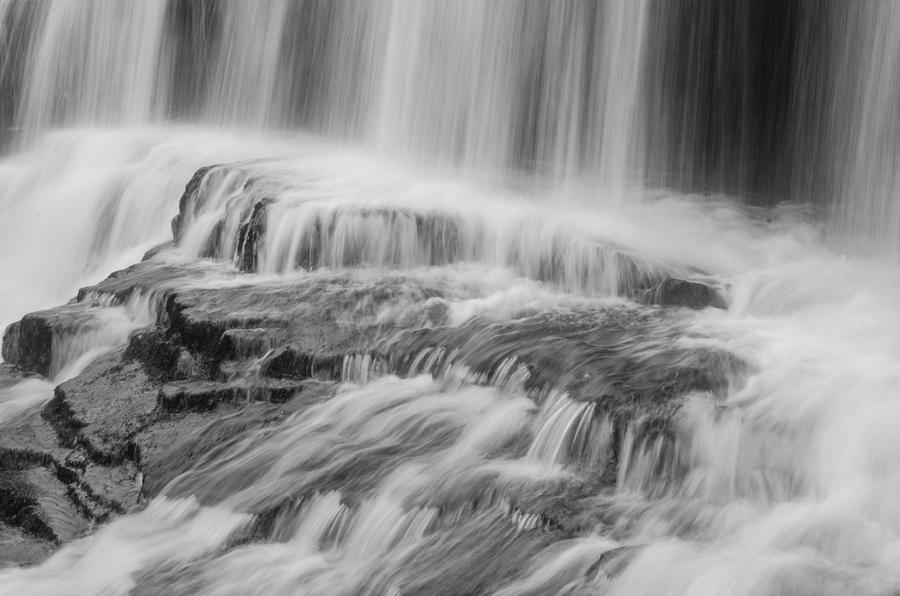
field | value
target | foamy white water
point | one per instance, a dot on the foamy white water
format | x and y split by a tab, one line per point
528	158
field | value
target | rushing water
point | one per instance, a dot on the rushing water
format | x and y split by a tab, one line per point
529	157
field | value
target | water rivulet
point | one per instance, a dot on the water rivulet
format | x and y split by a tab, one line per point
449	297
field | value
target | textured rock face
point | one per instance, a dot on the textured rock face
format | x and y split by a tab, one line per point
214	358
29	343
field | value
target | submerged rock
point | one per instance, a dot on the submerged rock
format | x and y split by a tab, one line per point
681	292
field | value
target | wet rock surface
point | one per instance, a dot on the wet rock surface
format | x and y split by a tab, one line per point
226	360
220	358
29	342
315	230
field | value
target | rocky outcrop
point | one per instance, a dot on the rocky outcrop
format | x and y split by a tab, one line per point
223	360
28	343
223	357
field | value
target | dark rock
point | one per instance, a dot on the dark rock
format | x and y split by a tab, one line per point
156	351
290	362
690	294
252	236
36	501
199	320
243	344
104	407
317	320
187	202
626	359
77	460
19	506
107	490
207	395
27	441
34	343
28	344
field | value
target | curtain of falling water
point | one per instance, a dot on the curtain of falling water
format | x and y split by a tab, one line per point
548	87
768	100
864	137
540	86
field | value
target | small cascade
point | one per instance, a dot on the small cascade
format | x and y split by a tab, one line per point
73	349
430	361
21	397
362	368
649	462
553	572
572	434
107	198
314	523
59	344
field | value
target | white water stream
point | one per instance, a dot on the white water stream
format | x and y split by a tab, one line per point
524	123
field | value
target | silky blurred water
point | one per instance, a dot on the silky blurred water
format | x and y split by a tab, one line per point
561	153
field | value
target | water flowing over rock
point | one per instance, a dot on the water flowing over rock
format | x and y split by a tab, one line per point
427	297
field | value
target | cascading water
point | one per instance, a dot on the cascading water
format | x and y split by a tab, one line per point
411	316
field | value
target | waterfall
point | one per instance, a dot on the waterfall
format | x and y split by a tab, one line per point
485	85
782	100
785	100
449	297
864	140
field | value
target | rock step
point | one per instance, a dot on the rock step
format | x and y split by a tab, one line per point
45	342
207	395
103	407
292	363
626	358
153	277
